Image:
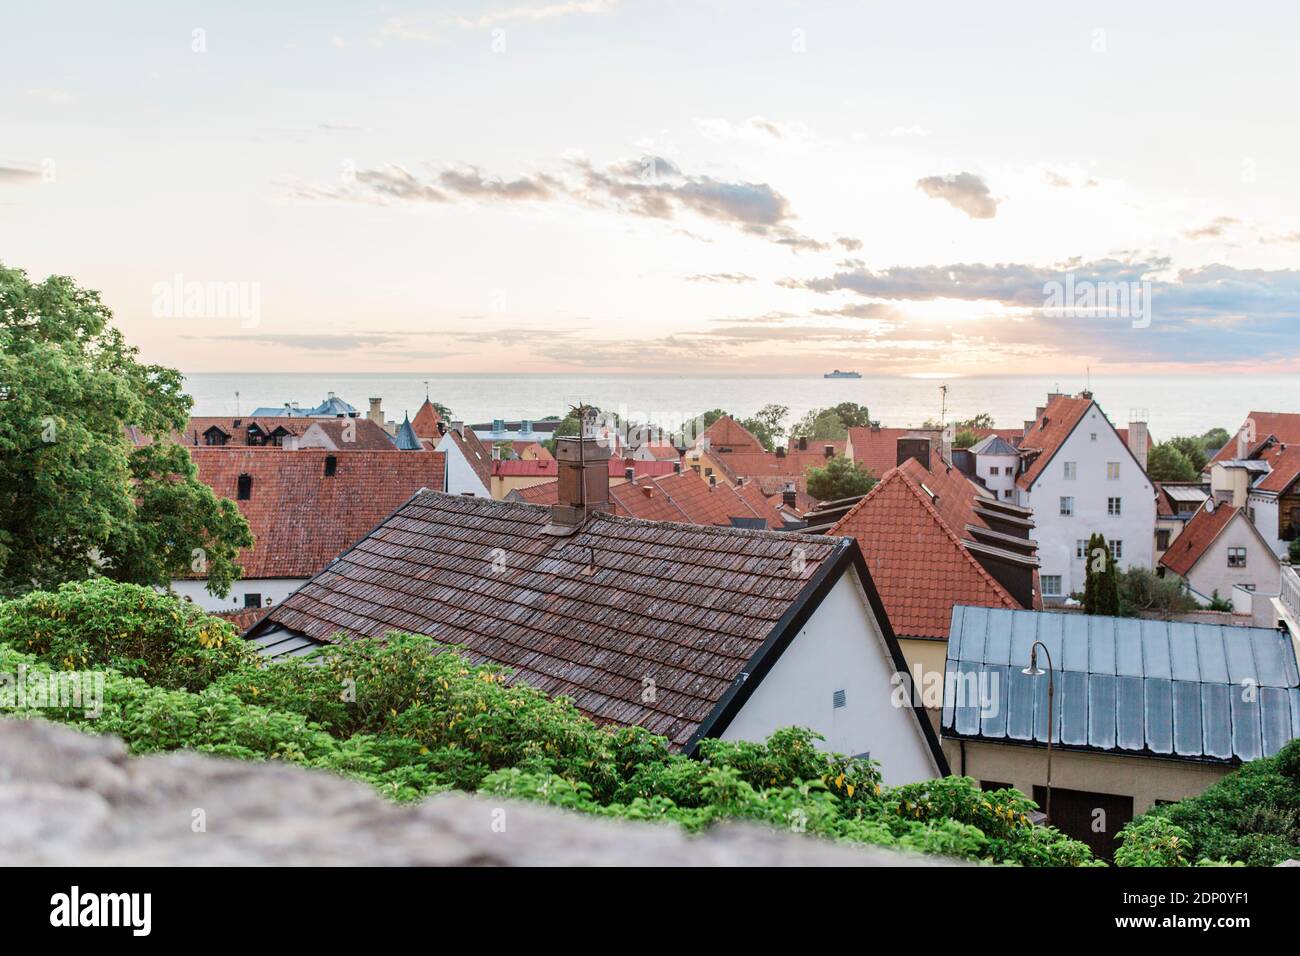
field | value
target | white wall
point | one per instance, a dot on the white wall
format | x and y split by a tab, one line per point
1004	480
276	589
1057	535
1266	521
461	477
840	648
1212	573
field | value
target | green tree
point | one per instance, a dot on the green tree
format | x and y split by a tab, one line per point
965	439
832	423
77	497
767	424
1142	591
1168	462
1193	448
840	478
1101	589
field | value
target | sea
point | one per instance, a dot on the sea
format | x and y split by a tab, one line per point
1171	404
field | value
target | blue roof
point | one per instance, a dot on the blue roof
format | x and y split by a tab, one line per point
406	439
333	407
1123	685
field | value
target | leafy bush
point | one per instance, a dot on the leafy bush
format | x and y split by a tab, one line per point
1251	816
135	630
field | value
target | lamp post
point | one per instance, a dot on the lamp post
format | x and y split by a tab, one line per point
1033	670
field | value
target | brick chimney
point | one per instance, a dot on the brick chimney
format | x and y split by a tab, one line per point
790	498
376	413
803	442
828	451
583	486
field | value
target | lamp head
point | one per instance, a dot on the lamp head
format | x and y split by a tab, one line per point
1033	670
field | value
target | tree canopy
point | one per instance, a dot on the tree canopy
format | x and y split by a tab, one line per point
832	423
839	478
77	498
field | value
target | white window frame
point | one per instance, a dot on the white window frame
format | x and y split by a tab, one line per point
1236	552
1051	585
1112	471
1117	550
1067	506
1071	470
1115	507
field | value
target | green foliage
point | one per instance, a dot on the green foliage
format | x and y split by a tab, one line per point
134	630
77	499
1142	591
1101	588
412	719
1218	603
839	478
1167	461
1293	551
767	424
1153	841
965	439
832	423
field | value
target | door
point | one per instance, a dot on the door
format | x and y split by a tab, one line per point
1091	818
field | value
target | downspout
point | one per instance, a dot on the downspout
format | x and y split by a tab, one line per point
963	758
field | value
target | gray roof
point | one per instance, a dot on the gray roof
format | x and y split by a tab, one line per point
994	445
1126	686
406	439
279	642
334	407
1186	493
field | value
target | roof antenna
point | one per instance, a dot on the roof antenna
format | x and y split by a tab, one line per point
237	404
943	407
426	389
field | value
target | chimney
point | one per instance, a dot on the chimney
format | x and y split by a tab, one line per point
713	482
630	474
780	451
803	442
740	481
1029	426
496	452
829	451
1038	412
1243	442
376	413
914	446
583	487
1139	441
442	428
458	428
677	468
790	498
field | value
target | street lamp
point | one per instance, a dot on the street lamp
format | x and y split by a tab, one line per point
1033	670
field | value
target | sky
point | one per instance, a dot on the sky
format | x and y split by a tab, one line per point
646	185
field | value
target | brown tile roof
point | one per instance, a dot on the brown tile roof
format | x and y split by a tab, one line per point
302	519
1199	534
550	467
1050	431
1284	460
792	465
726	433
914	551
244	618
686	606
682	497
366	435
425	422
542	493
662	452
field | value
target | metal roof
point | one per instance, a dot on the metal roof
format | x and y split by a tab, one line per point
1185	493
995	445
1123	685
280	642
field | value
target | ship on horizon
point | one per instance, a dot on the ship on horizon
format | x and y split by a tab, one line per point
838	374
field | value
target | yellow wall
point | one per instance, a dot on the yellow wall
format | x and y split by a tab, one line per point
1144	779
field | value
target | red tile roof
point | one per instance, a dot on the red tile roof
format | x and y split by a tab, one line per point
914	551
1284	460
662	452
244	618
1050	431
727	433
300	518
686	606
1199	534
365	434
1285	426
425	422
676	497
528	468
876	449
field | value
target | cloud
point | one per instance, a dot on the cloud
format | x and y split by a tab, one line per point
756	129
848	243
314	342
1213	229
10	173
1281	238
650	187
964	191
434	26
734	278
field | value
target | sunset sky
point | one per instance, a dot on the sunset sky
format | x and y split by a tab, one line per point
605	185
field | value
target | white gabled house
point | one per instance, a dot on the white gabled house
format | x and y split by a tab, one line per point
1082	477
469	462
689	631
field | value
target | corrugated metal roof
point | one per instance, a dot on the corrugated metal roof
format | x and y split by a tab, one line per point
1185	493
1123	685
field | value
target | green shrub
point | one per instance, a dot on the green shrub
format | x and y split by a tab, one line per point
86	625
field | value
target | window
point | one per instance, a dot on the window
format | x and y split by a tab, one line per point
1093	437
245	488
1116	550
1080	548
839	699
1006	493
1071	470
252	599
1112	471
1051	585
1162	540
1067	506
1114	506
1251	512
1236	557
